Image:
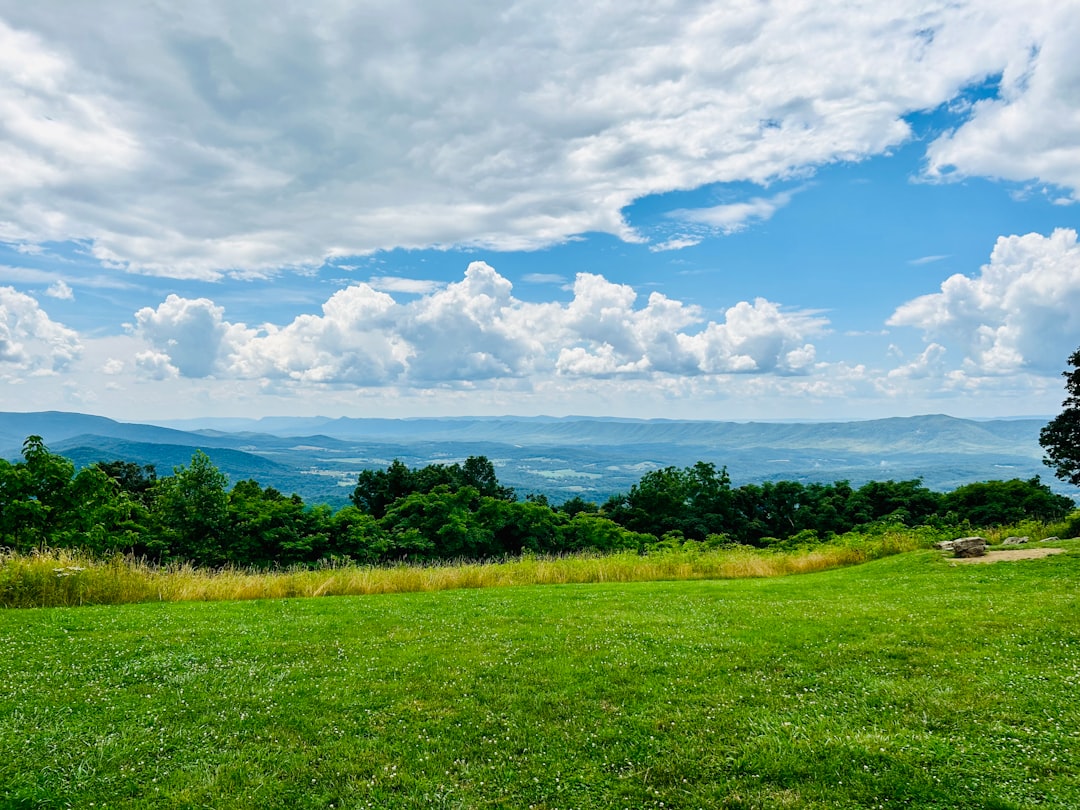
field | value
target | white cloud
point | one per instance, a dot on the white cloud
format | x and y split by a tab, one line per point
927	260
1020	313
757	337
404	285
60	289
26	275
734	217
351	343
190	333
675	243
29	340
1031	131
928	364
155	366
475	330
214	140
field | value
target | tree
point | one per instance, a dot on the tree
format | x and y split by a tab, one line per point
696	501
191	507
105	518
377	490
1061	438
996	503
137	481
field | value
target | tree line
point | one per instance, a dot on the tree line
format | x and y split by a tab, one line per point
453	511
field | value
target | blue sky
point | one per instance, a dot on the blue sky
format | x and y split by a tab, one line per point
697	210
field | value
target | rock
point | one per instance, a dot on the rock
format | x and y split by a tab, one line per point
1050	539
1015	541
964	546
970	547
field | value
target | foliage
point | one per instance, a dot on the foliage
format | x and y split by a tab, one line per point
378	490
994	503
458	511
1061	437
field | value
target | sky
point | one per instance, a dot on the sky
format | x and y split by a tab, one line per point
742	210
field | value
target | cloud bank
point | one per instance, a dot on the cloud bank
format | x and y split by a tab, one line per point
475	330
205	139
1021	313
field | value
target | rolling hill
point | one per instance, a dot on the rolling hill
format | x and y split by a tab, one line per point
320	457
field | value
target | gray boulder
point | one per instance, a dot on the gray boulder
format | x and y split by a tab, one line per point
1015	541
964	546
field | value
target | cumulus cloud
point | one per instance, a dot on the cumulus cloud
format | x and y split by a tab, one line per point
477	330
155	366
757	337
190	333
1020	313
29	340
1030	131
928	364
351	343
61	290
210	141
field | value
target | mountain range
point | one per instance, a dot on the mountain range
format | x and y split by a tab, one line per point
560	457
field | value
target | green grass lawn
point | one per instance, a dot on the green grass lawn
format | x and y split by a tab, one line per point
905	682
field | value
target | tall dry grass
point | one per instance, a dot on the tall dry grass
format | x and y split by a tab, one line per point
62	577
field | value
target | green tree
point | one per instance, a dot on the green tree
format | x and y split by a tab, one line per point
908	502
1061	437
265	527
21	515
36	496
440	524
357	535
105	518
588	531
378	490
996	503
696	501
479	472
191	510
526	526
134	479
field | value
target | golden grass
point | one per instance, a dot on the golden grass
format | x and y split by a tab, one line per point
62	577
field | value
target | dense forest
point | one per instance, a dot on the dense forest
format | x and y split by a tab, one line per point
453	511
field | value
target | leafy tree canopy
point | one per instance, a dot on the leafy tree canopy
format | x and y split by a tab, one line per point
1061	438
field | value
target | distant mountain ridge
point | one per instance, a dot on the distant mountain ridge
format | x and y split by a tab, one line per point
319	457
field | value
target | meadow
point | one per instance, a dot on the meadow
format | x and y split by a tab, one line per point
907	681
69	577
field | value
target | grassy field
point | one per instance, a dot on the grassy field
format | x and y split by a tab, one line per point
66	578
904	682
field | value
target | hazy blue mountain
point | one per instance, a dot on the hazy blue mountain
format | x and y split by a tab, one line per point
56	426
85	450
319	457
923	433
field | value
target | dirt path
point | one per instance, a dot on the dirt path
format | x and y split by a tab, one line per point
1011	554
